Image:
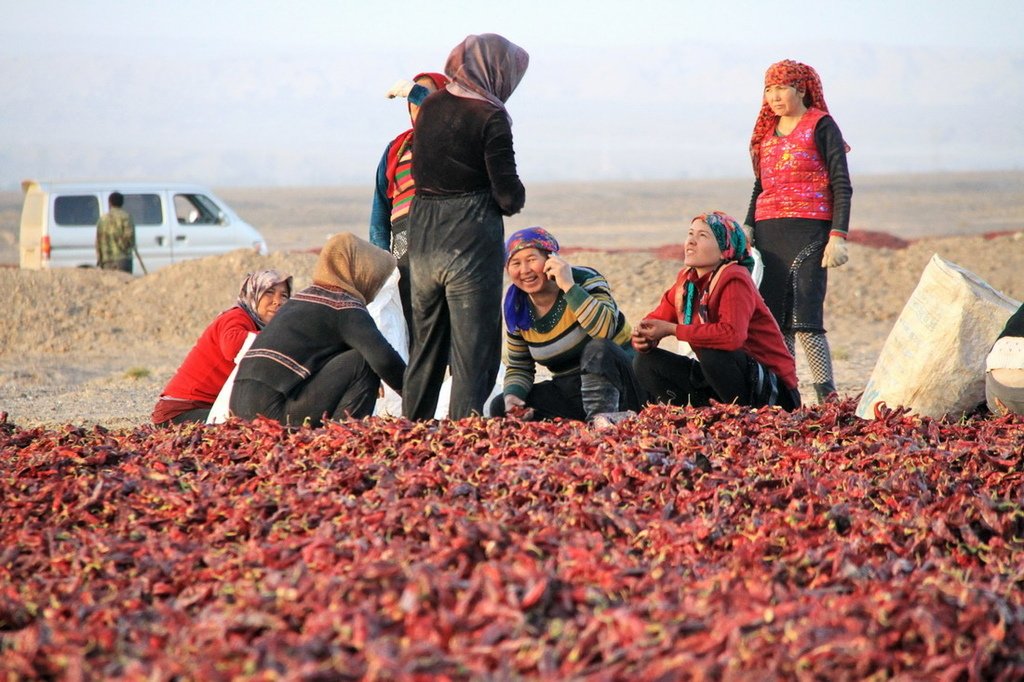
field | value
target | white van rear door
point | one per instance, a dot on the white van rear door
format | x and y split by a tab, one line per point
202	228
152	231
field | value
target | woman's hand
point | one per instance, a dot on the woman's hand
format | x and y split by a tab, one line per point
835	252
558	269
640	342
516	407
649	332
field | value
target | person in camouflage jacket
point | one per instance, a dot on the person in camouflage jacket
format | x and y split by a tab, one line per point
115	237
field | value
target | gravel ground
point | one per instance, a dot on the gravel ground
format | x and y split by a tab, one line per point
92	347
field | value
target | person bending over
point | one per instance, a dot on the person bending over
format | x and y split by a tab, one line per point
322	354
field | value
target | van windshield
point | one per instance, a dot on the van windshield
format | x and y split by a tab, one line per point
196	209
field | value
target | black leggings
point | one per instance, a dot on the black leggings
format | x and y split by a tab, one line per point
344	387
723	376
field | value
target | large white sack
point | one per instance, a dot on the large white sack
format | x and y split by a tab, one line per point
933	360
219	412
386	311
444	397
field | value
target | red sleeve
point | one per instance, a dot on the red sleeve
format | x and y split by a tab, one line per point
231	335
666	309
732	307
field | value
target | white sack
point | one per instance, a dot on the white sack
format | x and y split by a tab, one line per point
933	360
386	311
219	411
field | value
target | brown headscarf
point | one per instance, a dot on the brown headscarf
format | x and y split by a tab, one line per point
786	72
487	67
353	265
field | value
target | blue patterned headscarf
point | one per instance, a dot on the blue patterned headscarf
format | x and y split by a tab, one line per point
517	304
732	242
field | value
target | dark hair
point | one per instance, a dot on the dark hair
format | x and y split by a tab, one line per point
116	199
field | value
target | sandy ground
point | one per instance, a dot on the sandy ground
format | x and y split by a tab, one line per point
87	347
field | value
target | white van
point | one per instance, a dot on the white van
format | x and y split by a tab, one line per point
173	222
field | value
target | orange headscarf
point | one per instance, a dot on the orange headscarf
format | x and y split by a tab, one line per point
786	72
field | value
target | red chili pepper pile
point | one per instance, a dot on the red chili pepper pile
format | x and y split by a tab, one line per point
708	543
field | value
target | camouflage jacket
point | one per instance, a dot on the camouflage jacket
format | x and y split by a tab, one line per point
115	236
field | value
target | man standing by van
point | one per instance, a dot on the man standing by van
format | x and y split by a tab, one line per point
115	237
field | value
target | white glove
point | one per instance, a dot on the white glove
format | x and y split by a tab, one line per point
401	88
835	252
749	232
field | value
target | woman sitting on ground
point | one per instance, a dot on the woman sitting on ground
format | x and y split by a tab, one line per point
564	318
192	390
1004	368
323	354
714	306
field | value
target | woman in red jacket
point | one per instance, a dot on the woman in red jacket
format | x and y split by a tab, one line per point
192	390
716	308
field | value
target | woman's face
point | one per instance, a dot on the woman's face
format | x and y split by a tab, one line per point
784	100
526	270
271	300
701	250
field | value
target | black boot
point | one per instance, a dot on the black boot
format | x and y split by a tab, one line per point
824	391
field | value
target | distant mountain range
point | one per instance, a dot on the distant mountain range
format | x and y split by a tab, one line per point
580	113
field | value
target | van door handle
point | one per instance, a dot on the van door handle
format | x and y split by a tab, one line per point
159	240
180	237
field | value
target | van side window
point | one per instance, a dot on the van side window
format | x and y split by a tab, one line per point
196	209
145	209
79	211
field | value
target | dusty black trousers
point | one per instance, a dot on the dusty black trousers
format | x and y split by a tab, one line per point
456	258
603	365
344	387
724	376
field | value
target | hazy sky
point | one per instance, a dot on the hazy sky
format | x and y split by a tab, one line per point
253	92
246	25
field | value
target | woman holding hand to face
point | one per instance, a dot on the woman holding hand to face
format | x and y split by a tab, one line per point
564	318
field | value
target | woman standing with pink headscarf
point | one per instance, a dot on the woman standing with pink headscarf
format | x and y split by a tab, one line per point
466	180
800	208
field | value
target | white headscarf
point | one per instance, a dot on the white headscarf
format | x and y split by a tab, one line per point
254	286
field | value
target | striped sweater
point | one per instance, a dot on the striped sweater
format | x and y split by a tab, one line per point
556	340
